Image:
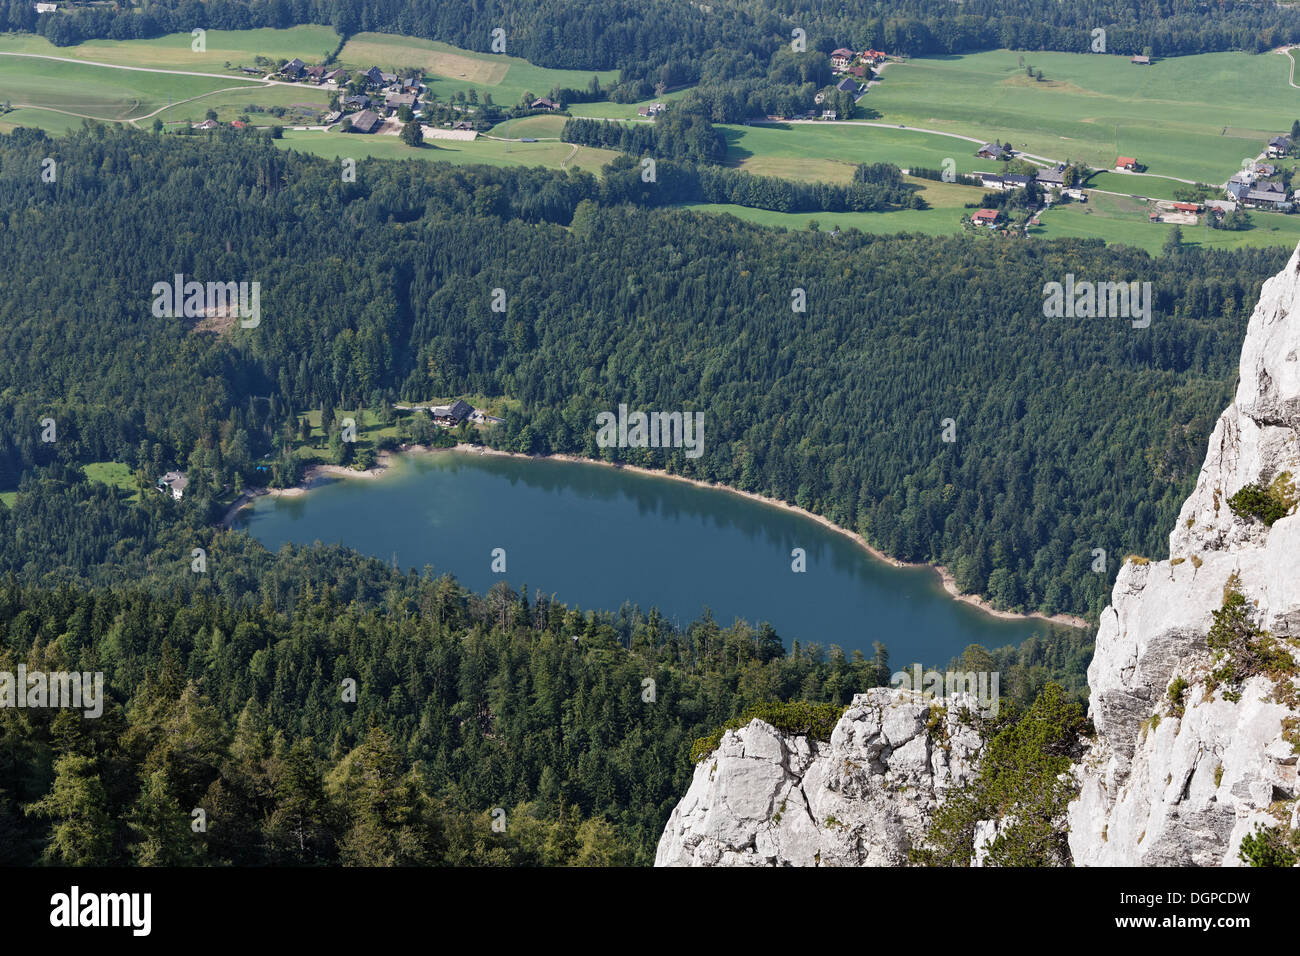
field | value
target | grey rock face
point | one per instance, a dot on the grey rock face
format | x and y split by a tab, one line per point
764	798
1162	789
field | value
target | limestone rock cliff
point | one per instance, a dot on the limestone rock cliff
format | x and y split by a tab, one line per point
1165	788
764	798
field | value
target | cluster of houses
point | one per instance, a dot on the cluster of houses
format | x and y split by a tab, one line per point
854	63
1255	188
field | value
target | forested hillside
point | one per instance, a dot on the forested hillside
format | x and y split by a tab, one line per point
1071	434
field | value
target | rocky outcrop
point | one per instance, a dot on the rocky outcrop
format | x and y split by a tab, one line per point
1173	783
765	798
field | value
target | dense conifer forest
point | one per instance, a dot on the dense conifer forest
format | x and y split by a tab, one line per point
1071	435
226	689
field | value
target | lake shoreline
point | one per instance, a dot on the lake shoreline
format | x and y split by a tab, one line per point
317	474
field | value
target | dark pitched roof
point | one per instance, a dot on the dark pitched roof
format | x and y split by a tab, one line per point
366	121
845	85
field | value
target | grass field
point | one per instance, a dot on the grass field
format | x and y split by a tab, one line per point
173	52
541	127
829	151
1192	117
930	222
490	152
97	92
42	119
1129	185
231	105
113	473
450	69
1118	219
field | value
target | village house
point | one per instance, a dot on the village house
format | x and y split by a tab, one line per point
654	109
205	125
356	102
339	76
452	414
841	58
374	76
1238	186
367	121
874	57
251	71
293	69
1015	181
830	114
1052	178
543	103
1270	196
985	217
1220	206
315	73
395	101
991	151
1265	170
1279	146
174	482
846	85
1126	162
1078	195
1141	60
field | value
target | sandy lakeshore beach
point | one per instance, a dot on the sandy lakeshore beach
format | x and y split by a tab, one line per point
316	474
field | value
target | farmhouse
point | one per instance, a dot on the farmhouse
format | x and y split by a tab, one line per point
654	109
846	85
1126	162
395	101
206	124
1238	186
1220	206
316	73
542	103
1141	60
452	414
991	151
1279	146
374	76
293	69
1052	178
984	217
1266	196
359	102
173	482
367	121
874	56
1265	169
1078	195
841	58
339	76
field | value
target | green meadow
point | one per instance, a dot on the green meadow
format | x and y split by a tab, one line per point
449	69
97	92
551	155
1191	117
1119	219
173	52
829	151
